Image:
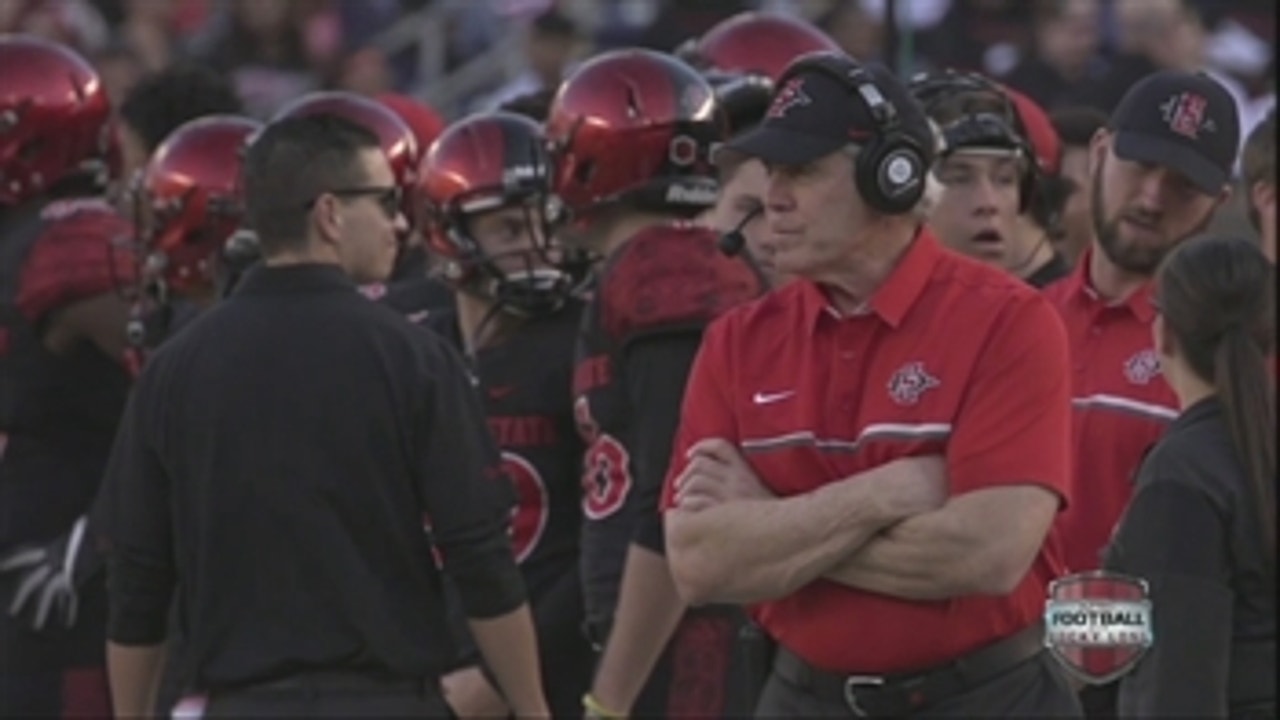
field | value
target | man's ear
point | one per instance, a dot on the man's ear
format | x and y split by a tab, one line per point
326	218
1262	197
1099	146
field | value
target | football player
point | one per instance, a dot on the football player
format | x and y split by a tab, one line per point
426	125
487	214
63	380
631	133
187	206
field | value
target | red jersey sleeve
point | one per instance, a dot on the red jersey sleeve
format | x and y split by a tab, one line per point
1014	425
671	277
707	408
78	255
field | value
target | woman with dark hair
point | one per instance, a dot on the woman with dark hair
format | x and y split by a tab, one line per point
1201	528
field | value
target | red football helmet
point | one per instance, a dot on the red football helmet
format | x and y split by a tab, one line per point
188	200
758	43
482	163
744	55
1038	131
425	122
54	118
396	137
635	126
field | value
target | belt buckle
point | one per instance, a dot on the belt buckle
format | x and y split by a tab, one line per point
851	685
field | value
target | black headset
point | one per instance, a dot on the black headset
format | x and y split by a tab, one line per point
732	242
890	168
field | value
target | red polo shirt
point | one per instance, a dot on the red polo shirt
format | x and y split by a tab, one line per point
1120	402
951	358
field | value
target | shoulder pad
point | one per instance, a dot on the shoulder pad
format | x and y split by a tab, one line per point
84	250
417	297
443	323
671	277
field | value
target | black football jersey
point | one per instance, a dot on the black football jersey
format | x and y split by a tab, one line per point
668	279
525	382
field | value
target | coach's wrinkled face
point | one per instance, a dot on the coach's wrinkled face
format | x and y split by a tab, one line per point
814	215
1141	211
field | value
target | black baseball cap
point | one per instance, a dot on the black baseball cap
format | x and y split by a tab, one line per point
813	113
1183	121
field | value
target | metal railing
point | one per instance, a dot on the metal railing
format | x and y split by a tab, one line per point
446	89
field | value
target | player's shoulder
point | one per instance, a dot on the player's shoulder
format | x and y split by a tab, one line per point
82	227
564	321
671	277
443	322
775	313
415	298
83	248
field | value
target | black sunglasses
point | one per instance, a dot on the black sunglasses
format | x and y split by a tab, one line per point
388	198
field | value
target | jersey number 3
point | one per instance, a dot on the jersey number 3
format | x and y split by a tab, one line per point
606	476
529	516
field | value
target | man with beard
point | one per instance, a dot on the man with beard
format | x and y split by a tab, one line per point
1160	168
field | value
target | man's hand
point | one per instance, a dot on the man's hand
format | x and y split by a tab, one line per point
717	473
46	579
470	695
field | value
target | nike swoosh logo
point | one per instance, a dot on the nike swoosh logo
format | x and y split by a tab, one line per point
766	398
500	391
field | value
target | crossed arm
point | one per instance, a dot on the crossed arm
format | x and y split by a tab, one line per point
889	530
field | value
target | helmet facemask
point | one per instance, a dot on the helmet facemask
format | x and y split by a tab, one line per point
527	280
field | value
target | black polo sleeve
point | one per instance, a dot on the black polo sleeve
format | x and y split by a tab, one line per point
466	497
1173	536
135	512
657	368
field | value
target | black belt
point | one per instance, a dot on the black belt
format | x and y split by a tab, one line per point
900	694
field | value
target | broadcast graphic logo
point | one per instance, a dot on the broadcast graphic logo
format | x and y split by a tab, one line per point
1098	624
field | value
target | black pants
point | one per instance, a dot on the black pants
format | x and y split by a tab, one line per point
1033	688
325	696
1099	701
57	672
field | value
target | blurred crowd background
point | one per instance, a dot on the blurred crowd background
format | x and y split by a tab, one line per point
461	56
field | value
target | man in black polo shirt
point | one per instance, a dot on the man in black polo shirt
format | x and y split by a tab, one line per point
278	458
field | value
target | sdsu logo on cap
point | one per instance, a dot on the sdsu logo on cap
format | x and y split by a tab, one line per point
1185	114
791	95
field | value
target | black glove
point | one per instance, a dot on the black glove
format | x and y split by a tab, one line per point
47	579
